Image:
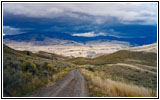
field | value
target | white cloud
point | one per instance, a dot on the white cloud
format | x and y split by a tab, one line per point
124	12
89	34
8	30
110	32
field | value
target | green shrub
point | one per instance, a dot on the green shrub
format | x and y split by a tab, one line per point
28	66
16	65
50	68
90	68
12	81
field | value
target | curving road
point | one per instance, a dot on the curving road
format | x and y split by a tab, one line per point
72	85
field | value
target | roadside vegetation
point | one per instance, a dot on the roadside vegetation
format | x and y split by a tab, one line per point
123	73
23	72
101	86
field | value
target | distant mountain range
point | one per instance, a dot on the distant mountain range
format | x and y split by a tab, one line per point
41	36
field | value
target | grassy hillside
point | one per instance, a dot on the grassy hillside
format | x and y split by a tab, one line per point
137	69
24	71
98	85
123	73
119	56
51	56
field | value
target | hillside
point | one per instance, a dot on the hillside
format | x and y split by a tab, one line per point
25	71
117	57
124	72
50	56
120	68
146	48
41	54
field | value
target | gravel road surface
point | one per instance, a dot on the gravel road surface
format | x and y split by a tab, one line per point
72	85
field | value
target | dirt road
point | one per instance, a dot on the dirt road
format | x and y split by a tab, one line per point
72	85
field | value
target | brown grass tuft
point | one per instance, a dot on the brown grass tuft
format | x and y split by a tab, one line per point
112	88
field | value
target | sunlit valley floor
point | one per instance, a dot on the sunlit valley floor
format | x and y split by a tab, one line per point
71	49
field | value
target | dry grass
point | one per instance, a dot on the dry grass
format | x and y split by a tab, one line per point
58	76
108	87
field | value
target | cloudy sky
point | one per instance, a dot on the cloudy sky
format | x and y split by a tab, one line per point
81	19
